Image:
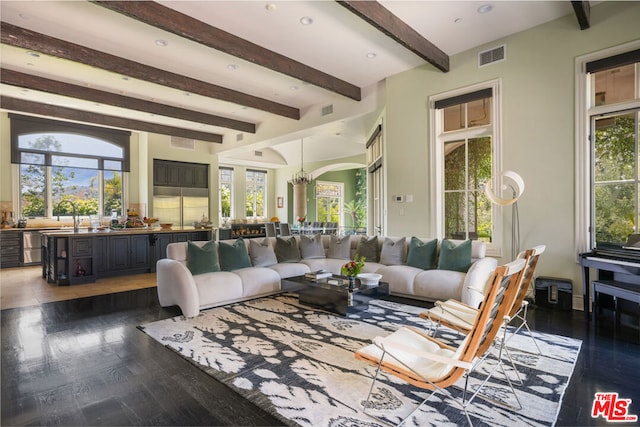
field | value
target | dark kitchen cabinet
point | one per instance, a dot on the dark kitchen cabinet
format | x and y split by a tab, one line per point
102	255
82	268
128	253
10	248
195	176
168	173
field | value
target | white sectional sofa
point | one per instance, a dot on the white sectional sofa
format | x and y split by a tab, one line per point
193	292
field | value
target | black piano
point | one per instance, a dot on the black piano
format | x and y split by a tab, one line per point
618	271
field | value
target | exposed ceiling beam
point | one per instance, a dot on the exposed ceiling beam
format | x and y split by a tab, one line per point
583	13
15	104
20	37
185	26
28	81
382	19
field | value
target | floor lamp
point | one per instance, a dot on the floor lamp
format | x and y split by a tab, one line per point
516	184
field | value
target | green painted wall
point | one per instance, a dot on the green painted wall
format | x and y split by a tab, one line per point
538	120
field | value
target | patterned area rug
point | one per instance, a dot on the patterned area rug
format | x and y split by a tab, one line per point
297	363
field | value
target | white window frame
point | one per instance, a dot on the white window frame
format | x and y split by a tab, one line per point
438	138
231	195
266	193
340	203
584	112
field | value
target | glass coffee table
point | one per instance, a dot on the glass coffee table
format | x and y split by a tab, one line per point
334	294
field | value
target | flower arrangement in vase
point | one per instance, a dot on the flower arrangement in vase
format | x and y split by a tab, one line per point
353	268
301	220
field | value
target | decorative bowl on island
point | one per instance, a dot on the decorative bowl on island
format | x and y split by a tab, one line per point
165	226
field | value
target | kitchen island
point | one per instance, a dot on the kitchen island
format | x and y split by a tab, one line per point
75	257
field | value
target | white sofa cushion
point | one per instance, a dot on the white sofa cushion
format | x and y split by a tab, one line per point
399	277
439	284
257	281
218	287
290	269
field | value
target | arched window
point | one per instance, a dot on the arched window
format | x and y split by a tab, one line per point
68	161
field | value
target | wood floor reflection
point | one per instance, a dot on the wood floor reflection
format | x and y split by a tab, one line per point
74	356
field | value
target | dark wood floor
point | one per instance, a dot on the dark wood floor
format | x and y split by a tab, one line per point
84	362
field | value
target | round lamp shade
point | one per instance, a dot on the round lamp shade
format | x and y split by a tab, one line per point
509	179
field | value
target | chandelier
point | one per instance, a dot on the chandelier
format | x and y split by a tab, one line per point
301	177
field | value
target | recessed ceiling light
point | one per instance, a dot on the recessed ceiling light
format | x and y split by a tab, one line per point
186	94
34	54
270	7
485	8
457	20
162	43
125	78
306	20
371	55
233	67
294	87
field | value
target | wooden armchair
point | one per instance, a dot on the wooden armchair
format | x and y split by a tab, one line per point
423	361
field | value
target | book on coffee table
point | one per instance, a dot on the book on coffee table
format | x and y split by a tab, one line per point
317	275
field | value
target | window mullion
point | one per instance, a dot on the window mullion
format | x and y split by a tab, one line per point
48	186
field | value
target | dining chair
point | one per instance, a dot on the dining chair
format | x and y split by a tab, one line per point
270	229
285	229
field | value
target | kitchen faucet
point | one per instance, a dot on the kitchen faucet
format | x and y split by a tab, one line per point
74	213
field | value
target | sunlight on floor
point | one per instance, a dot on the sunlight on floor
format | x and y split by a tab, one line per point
23	287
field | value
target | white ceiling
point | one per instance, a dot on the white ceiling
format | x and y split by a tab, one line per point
337	43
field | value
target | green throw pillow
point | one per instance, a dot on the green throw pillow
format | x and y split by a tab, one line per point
368	248
233	257
422	254
455	258
287	250
202	259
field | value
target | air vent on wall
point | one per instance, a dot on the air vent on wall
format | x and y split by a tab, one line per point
183	143
258	153
327	110
239	137
491	56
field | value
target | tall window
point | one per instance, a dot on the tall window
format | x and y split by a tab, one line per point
255	193
465	131
226	193
376	182
62	162
614	117
329	201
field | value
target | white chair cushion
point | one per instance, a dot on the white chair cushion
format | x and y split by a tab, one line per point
405	337
439	284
